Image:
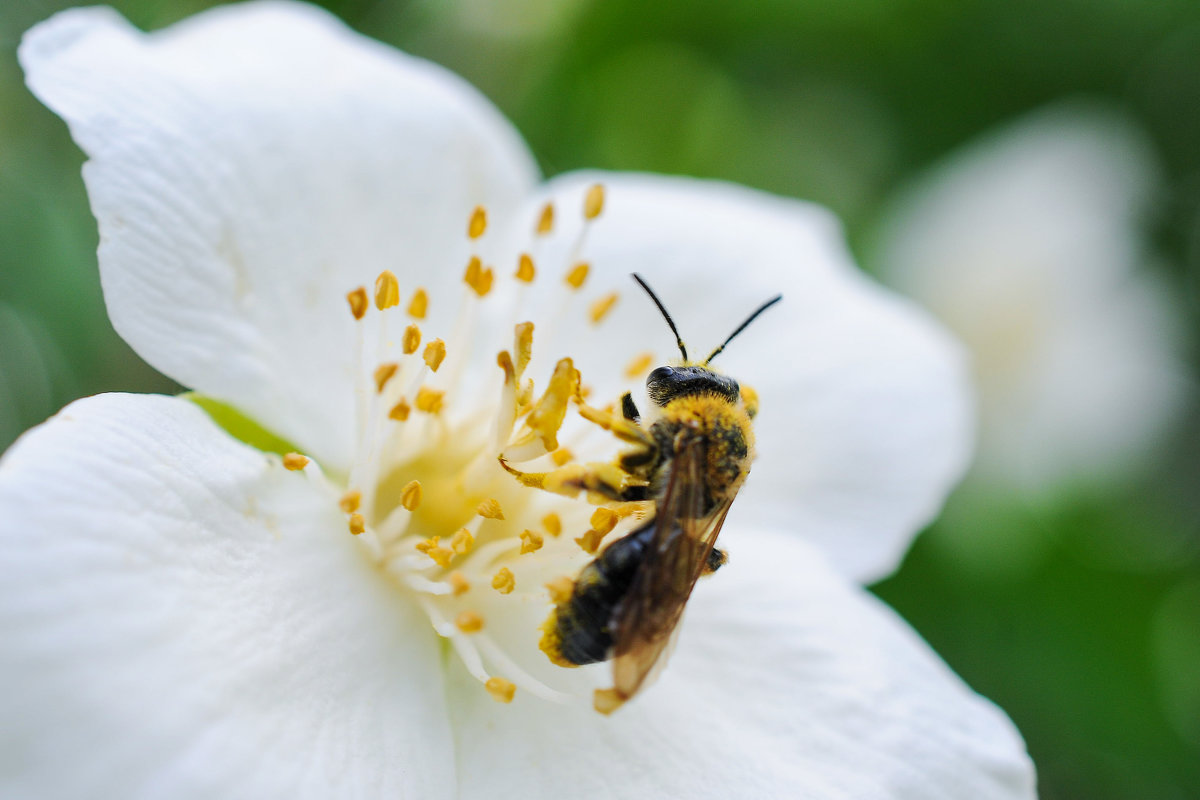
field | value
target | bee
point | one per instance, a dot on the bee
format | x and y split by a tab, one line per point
689	462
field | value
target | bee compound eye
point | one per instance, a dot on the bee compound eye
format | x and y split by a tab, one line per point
660	375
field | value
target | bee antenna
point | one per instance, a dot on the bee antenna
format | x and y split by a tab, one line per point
667	317
743	326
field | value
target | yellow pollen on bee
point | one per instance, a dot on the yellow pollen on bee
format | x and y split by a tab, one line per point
400	411
387	290
411	340
590	542
552	524
294	461
502	691
459	585
639	365
435	354
410	495
531	542
561	456
606	701
577	275
490	509
523	344
593	202
545	222
418	307
525	269
440	555
469	622
383	374
478	222
358	302
462	542
504	582
350	501
603	520
749	400
600	308
430	400
560	590
357	524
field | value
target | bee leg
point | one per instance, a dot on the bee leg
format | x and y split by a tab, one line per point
623	428
716	559
629	410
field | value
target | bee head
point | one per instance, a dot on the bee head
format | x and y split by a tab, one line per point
668	383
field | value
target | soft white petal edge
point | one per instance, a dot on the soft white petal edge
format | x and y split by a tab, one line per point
867	417
788	682
181	616
250	166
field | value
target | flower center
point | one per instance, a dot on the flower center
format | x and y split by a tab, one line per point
433	492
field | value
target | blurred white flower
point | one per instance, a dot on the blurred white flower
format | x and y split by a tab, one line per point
186	615
1029	246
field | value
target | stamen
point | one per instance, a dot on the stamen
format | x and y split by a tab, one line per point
429	400
502	691
560	589
590	542
294	462
523	345
440	555
504	582
478	223
469	622
350	501
400	411
531	542
418	307
383	374
411	340
387	290
601	307
525	269
546	419
471	274
459	585
435	354
462	542
552	524
561	456
577	275
358	302
546	220
606	701
593	203
639	365
357	524
603	520
490	509
410	495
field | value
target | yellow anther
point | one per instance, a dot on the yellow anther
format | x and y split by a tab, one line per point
294	461
410	495
593	203
469	622
358	302
484	284
590	542
502	691
525	398
440	555
552	524
525	269
504	582
606	701
584	391
387	290
411	340
639	365
561	456
478	223
603	520
459	585
435	354
400	411
531	542
560	590
601	307
430	400
383	374
504	361
419	305
462	542
357	524
546	220
350	501
490	509
548	416
471	274
523	345
577	275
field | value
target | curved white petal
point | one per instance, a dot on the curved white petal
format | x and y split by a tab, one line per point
866	416
251	165
787	682
181	616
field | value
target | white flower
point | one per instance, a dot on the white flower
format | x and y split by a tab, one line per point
1027	245
184	615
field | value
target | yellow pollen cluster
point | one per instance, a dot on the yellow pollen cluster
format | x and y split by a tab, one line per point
350	501
411	340
552	524
459	585
462	542
430	400
469	622
600	308
387	290
545	222
383	374
593	202
478	222
504	582
478	277
294	461
561	456
590	541
431	547
639	365
560	590
410	495
400	411
603	520
435	354
577	275
531	542
525	269
357	524
418	307
358	302
490	509
502	691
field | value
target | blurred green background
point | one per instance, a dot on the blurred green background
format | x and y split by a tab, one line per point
1089	638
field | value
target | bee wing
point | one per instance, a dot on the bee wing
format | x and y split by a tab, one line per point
684	535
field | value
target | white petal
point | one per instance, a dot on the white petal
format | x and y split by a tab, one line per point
182	617
787	683
250	166
865	421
